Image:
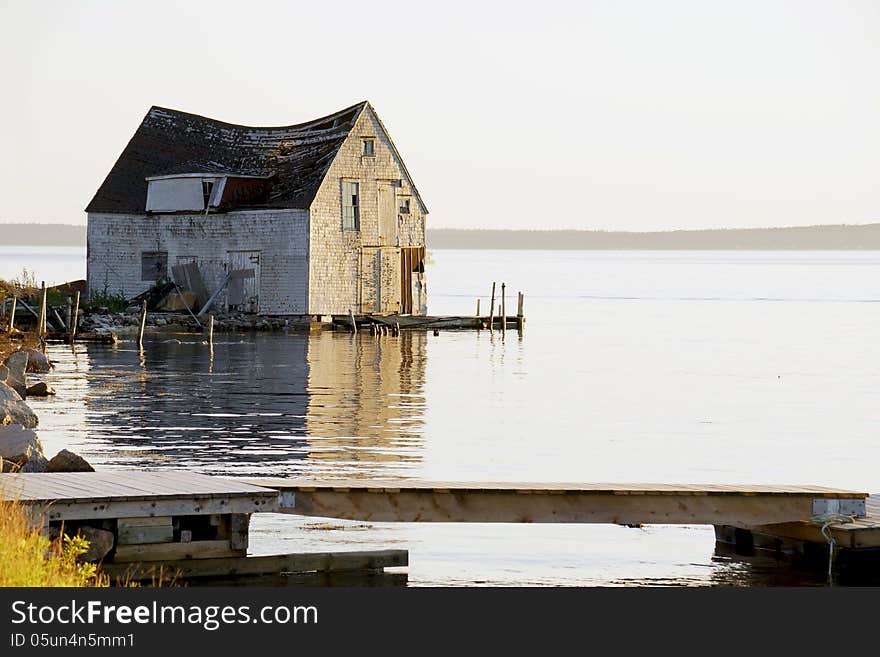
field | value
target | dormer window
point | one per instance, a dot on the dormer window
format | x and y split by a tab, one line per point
200	192
369	147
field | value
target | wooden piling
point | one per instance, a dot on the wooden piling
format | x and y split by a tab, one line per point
492	309
478	308
69	313
11	324
354	326
211	330
503	307
143	324
3	307
75	319
520	317
41	328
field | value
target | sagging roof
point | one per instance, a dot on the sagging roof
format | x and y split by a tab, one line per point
170	142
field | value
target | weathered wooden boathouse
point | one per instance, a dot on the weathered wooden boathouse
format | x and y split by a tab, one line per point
318	218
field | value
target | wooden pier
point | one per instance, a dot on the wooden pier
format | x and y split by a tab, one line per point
196	526
430	322
173	524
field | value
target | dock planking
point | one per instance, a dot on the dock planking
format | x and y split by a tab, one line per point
625	504
121	494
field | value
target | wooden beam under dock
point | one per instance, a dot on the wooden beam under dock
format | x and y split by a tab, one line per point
624	504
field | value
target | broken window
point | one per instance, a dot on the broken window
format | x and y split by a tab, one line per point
207	188
369	147
403	205
351	219
154	265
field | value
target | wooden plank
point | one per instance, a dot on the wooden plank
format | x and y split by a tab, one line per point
143	522
235	527
175	551
574	507
86	487
136	535
108	509
620	488
863	533
282	563
120	482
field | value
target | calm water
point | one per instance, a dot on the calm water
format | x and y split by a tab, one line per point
635	366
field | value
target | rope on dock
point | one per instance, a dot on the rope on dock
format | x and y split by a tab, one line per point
826	520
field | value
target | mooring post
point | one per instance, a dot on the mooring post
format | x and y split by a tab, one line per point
503	307
12	314
74	320
41	329
520	318
478	307
211	330
69	313
492	309
354	326
143	324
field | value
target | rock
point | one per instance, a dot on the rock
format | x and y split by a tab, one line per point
16	364
100	542
18	446
160	321
67	461
36	463
40	389
37	361
13	410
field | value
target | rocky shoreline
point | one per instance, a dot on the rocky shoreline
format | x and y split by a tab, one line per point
20	447
127	323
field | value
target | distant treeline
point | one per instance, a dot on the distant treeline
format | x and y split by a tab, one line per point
803	237
865	237
42	235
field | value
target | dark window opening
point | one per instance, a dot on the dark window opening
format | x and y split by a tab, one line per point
403	206
154	265
369	147
207	188
351	219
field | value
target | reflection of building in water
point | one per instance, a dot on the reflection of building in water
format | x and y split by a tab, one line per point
366	398
327	404
241	413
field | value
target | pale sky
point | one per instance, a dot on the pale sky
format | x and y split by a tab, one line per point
625	115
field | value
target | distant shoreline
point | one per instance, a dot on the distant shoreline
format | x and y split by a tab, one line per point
808	238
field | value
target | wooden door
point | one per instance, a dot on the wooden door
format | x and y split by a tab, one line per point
387	213
371	271
244	283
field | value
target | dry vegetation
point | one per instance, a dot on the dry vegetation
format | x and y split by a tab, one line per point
31	559
28	557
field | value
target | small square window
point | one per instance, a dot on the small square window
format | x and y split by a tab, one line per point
369	147
403	206
154	265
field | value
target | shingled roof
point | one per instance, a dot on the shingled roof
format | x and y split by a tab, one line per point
172	142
